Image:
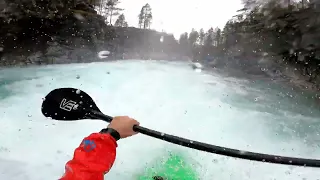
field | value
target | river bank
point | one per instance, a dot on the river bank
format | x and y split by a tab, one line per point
287	76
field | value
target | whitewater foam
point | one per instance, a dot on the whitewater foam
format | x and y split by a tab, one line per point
165	96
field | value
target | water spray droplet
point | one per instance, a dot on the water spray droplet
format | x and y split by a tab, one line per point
75	107
78	16
243	152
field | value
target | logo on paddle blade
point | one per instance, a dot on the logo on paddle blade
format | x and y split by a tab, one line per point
68	105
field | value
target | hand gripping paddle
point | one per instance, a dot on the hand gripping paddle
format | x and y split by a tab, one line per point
69	104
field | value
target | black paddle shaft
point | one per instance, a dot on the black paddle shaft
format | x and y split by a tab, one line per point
69	104
220	150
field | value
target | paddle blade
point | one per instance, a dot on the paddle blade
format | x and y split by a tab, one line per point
68	104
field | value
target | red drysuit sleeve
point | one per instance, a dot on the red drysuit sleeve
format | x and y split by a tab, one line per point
92	159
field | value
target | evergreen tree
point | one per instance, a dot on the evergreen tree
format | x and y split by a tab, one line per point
112	9
121	21
208	41
193	37
201	36
145	17
217	37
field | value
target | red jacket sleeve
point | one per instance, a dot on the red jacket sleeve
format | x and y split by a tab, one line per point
92	159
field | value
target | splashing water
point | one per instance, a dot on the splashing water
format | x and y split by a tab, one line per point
161	39
103	54
166	96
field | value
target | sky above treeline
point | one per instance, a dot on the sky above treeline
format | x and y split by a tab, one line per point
179	16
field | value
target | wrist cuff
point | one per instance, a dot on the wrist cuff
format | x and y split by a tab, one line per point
115	134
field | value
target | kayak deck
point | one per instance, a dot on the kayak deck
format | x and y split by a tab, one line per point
174	168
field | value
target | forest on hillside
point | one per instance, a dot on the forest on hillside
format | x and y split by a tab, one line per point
43	31
283	31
